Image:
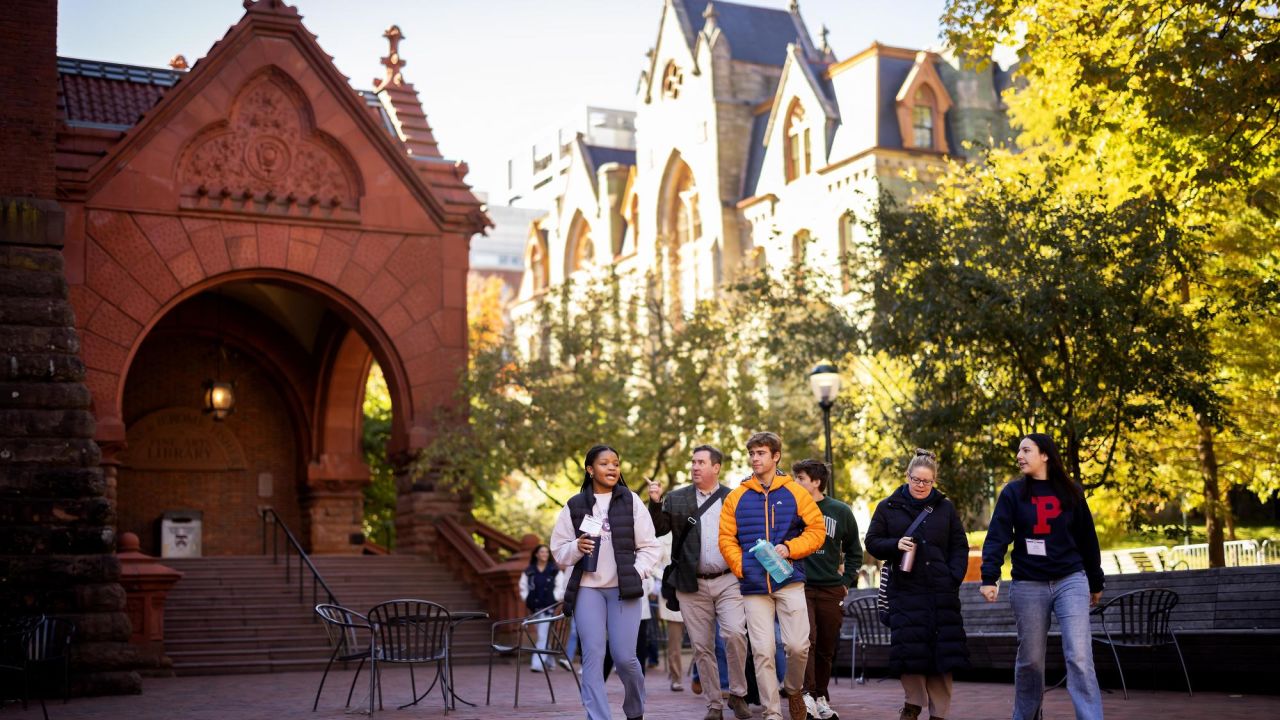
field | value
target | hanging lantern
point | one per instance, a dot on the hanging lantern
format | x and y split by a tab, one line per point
219	398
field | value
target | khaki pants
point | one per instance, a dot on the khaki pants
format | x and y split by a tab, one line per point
717	599
788	605
931	691
675	639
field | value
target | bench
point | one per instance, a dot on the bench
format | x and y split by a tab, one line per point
1227	621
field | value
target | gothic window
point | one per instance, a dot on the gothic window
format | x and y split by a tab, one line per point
846	247
681	223
538	265
672	79
583	249
922	118
796	143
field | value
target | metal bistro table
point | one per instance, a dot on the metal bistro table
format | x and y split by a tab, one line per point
455	619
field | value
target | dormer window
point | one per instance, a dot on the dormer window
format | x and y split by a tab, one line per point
922	119
672	79
796	143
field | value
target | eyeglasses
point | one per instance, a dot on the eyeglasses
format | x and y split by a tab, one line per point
918	481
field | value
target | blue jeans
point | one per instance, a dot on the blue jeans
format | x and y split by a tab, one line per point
1032	603
612	621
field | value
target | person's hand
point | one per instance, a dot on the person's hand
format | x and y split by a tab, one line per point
906	545
1095	598
655	491
783	550
990	592
586	544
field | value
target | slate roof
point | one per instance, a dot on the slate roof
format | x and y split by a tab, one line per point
893	73
597	156
115	95
756	34
755	155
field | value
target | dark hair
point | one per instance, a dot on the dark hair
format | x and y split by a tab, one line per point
717	458
815	469
533	556
766	439
1063	486
594	453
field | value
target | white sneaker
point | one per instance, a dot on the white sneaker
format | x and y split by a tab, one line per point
810	707
824	710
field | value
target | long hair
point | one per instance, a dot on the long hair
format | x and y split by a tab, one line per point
1063	486
590	459
533	557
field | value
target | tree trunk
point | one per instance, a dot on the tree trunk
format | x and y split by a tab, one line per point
1212	513
1228	517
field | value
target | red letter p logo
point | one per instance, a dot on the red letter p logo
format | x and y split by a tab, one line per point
1047	508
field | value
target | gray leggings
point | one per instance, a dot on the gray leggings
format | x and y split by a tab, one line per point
603	617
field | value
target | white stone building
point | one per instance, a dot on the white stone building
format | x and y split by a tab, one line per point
751	144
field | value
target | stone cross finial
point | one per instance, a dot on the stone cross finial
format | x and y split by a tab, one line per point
795	6
178	62
392	61
826	44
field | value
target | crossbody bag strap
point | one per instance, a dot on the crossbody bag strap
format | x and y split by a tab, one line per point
693	519
919	519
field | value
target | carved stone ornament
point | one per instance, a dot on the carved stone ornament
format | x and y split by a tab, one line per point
268	158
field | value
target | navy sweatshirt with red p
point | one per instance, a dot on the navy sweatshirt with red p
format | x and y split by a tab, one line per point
1050	539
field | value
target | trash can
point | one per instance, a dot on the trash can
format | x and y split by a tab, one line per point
180	533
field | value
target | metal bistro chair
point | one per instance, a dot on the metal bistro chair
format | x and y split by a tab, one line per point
524	632
410	632
344	629
868	632
1139	619
16	635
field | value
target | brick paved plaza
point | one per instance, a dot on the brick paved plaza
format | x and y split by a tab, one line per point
288	695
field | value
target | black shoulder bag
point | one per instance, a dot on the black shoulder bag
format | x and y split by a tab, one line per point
668	573
886	570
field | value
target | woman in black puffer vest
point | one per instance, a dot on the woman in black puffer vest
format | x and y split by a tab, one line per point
538	588
606	600
927	640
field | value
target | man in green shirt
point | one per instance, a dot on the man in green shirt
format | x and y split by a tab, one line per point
829	573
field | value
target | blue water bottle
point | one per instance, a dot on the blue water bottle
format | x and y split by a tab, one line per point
777	566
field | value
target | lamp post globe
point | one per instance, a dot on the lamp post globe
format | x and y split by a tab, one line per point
824	380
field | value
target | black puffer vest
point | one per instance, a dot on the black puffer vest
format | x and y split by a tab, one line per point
622	528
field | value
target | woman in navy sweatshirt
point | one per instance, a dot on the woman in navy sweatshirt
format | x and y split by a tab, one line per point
1057	567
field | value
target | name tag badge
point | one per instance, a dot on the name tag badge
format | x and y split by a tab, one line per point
1036	547
592	526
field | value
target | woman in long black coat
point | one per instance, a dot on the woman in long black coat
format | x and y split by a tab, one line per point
927	640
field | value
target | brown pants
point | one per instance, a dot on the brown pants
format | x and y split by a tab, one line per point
675	639
825	618
931	691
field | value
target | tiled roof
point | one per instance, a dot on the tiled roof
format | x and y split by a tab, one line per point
756	34
597	156
112	94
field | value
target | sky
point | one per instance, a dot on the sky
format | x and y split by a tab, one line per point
492	75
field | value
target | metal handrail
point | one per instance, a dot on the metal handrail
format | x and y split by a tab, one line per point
317	581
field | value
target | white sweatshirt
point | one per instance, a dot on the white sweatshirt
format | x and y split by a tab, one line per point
564	543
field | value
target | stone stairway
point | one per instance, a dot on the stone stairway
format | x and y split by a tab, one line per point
238	614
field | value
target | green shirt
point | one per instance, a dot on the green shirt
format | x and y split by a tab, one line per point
822	569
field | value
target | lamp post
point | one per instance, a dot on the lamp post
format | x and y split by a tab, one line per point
825	382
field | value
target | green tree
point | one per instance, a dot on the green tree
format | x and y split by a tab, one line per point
380	493
1020	306
1182	99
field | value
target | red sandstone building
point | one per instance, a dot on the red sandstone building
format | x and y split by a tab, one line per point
255	220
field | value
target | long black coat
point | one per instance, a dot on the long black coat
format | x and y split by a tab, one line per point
925	625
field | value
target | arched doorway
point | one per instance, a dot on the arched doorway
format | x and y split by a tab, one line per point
298	359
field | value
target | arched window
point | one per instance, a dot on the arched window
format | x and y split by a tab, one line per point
922	118
796	143
672	79
680	227
799	245
581	248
